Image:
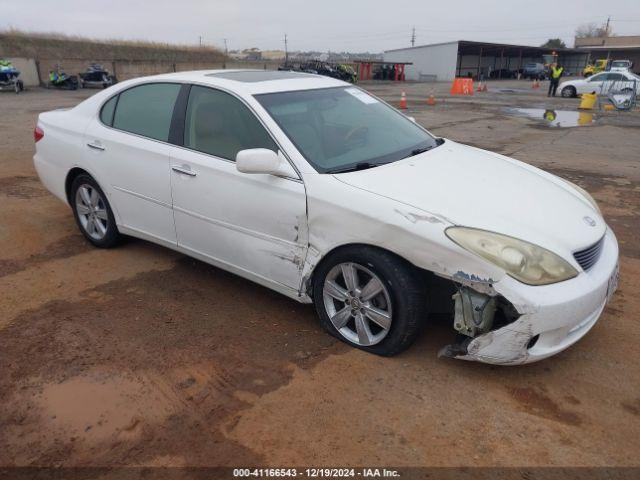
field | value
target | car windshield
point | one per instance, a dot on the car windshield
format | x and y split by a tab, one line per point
342	129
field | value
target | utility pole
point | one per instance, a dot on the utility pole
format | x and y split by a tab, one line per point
606	29
413	37
286	51
200	40
226	54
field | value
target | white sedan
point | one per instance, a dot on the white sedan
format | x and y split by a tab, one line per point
602	84
318	190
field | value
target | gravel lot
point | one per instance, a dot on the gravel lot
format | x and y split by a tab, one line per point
142	356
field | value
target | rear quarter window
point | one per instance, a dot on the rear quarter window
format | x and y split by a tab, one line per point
106	114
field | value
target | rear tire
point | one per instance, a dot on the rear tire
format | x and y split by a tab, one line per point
93	213
384	323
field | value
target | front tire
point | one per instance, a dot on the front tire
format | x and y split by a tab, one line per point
93	213
568	92
370	299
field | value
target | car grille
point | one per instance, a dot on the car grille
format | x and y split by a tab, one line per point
589	256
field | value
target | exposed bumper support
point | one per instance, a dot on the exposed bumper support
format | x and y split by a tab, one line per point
558	315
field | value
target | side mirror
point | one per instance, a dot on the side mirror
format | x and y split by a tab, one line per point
265	161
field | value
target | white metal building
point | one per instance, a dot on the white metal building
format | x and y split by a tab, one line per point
462	58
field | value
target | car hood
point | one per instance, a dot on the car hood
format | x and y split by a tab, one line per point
468	186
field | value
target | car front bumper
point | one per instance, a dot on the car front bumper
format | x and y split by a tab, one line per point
558	314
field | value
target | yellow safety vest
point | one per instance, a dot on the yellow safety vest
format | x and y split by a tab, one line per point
556	72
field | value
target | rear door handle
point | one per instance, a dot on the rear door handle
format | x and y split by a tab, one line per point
96	146
185	170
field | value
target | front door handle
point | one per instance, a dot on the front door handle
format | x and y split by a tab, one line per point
184	169
96	146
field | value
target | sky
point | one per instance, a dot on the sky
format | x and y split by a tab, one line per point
320	25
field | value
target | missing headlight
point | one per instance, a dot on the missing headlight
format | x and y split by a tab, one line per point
473	312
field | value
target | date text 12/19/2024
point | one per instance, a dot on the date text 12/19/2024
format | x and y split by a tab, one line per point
315	473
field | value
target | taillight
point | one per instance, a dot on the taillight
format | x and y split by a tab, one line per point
38	133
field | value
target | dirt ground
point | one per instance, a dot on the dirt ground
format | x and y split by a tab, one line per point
141	356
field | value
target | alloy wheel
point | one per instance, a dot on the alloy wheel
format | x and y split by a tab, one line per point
357	303
92	211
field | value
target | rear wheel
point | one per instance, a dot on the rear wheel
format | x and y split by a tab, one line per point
93	213
370	299
568	92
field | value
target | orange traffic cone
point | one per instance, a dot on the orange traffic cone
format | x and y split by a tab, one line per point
533	85
431	100
479	89
403	101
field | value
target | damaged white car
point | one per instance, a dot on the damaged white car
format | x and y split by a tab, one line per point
316	189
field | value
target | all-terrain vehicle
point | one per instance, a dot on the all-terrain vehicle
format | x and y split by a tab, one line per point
9	77
347	73
59	79
597	66
96	76
341	71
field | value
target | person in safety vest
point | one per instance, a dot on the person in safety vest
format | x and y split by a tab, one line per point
554	75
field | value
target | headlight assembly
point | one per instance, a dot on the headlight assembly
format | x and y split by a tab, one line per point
522	260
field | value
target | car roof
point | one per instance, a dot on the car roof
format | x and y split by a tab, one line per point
255	82
258	75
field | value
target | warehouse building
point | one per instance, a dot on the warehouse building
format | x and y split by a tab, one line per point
462	58
612	48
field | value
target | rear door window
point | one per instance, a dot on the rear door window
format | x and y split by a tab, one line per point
147	110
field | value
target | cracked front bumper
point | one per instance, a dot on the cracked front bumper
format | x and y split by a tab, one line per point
559	314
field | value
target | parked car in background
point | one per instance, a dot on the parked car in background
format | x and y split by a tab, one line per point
601	83
621	66
318	190
502	73
535	71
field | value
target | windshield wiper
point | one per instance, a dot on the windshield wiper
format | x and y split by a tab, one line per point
353	168
418	151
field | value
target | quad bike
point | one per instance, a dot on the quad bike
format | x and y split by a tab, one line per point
319	67
347	73
9	77
96	76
